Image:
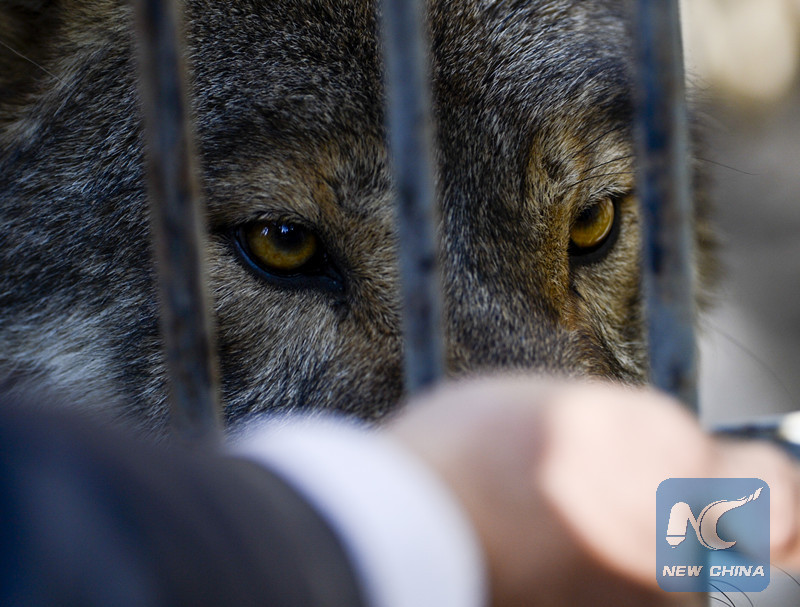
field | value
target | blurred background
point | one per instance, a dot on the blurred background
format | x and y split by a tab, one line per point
742	61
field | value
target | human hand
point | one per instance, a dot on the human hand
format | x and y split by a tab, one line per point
560	482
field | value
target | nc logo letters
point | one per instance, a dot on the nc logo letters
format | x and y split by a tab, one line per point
705	525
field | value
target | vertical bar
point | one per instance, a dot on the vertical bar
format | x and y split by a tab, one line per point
410	137
664	191
176	223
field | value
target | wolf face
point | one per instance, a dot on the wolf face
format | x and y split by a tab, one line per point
539	226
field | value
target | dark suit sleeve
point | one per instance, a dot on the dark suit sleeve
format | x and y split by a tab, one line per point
91	516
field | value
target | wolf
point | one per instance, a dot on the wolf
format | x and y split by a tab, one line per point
538	222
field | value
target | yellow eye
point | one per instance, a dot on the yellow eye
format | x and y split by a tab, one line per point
283	248
592	227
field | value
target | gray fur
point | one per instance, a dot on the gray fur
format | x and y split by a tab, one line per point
529	98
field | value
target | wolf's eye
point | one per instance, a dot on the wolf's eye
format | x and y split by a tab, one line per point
286	253
283	248
592	228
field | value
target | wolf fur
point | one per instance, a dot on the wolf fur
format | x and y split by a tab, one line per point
533	109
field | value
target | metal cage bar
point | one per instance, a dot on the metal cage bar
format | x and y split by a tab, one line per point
411	144
177	225
664	191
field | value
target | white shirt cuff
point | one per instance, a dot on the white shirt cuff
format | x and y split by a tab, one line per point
408	538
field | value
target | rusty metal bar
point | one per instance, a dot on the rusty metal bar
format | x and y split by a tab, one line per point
411	138
664	192
177	224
